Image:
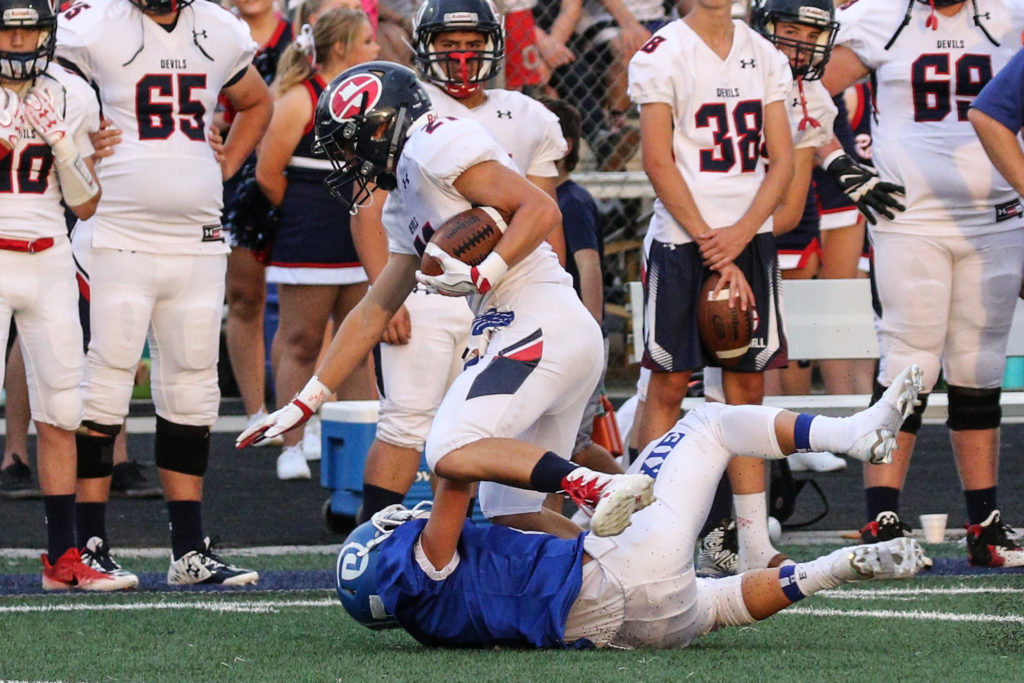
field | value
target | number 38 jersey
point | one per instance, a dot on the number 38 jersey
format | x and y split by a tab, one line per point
159	85
717	114
28	180
926	82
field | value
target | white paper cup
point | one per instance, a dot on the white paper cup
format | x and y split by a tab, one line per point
934	527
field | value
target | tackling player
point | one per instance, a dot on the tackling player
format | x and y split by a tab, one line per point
535	350
450	583
158	250
46	115
948	269
459	45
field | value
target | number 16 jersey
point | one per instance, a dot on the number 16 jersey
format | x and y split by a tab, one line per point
717	114
926	81
159	85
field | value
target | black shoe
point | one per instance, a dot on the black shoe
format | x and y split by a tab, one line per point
128	481
887	526
718	552
16	480
203	566
992	544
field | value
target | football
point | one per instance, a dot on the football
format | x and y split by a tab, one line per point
468	236
724	332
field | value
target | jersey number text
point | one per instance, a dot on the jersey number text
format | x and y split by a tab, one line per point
747	117
34	164
164	102
934	89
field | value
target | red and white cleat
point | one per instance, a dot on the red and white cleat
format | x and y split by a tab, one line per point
609	499
70	573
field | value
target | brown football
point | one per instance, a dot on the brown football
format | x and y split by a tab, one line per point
468	236
725	332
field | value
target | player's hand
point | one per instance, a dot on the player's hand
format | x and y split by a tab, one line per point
302	407
105	139
10	120
740	293
42	114
460	279
216	142
863	186
722	246
399	328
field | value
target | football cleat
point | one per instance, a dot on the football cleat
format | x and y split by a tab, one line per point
610	499
718	554
815	462
883	420
992	544
899	558
69	572
96	556
202	566
885	527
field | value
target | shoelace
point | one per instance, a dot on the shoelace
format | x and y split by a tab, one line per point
584	480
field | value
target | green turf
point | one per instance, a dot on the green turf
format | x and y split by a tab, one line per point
320	643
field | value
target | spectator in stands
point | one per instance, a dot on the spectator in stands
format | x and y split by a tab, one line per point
313	260
308	11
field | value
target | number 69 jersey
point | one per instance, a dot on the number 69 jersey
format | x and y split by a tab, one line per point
718	117
159	85
926	82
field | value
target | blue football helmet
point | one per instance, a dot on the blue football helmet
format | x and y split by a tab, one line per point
356	573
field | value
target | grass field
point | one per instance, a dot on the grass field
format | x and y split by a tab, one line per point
928	628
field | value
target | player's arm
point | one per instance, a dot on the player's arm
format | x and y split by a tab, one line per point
291	112
251	99
861	184
556	238
440	536
791	209
1002	146
844	68
660	166
725	244
588	265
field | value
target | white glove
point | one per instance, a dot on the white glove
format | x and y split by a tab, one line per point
460	279
10	120
41	112
302	407
77	183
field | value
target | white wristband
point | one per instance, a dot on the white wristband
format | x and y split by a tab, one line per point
832	157
487	274
313	394
77	183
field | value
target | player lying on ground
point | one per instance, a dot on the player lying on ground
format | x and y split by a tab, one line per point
450	583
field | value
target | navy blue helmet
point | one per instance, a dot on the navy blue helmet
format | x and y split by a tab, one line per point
765	16
28	14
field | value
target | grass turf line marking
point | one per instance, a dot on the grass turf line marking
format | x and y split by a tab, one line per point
250	606
915	615
256	551
875	593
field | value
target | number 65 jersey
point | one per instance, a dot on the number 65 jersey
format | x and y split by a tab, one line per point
159	85
926	81
717	114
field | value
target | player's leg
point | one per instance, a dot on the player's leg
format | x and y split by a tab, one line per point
184	343
433	355
913	279
247	299
15	474
988	269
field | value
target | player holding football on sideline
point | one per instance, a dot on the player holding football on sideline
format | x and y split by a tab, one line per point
703	129
158	251
450	583
459	45
45	121
948	269
536	351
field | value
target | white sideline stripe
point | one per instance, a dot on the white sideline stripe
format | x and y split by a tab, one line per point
271	550
251	606
874	594
915	615
147	425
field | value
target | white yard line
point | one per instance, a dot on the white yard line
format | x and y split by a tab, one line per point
251	606
873	594
915	615
271	550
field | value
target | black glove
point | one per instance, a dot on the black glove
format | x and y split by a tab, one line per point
863	186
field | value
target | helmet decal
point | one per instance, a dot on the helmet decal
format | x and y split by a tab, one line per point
352	561
355	95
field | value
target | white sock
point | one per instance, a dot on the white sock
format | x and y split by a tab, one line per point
837	434
755	547
806	578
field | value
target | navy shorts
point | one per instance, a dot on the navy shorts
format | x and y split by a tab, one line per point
675	273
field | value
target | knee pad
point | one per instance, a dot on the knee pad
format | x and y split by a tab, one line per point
730	609
182	448
973	408
912	425
65	408
96	453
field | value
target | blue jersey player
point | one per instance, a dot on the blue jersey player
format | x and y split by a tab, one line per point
450	583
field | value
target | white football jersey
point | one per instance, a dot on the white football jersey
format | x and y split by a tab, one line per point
820	107
162	186
718	114
434	156
926	82
524	127
28	179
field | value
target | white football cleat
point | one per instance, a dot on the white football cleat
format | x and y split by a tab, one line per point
899	558
815	462
882	421
609	499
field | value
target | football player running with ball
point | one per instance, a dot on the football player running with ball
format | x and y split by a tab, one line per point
158	253
948	269
459	45
46	115
450	583
540	350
